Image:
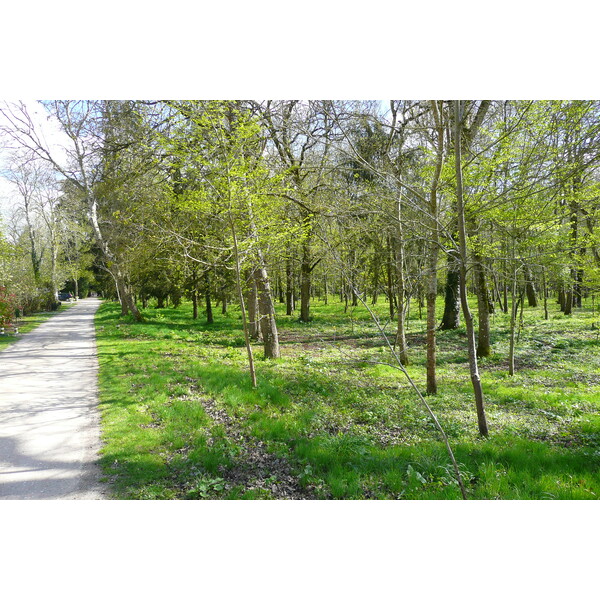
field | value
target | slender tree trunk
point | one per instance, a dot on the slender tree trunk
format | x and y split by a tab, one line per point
289	287
236	256
401	347
305	281
53	276
194	303
305	271
280	289
473	366
207	298
267	312
376	268
568	305
521	303
529	287
390	282
253	309
432	279
513	324
545	293
483	309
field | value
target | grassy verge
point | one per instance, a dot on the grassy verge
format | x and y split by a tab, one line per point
26	324
181	420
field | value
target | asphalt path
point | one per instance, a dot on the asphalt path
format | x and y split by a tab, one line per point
49	423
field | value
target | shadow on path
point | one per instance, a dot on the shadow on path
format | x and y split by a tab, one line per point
49	423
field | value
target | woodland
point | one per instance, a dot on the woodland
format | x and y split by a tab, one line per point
319	299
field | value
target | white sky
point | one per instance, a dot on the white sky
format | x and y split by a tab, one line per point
9	195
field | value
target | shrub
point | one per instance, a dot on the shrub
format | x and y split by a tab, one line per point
8	307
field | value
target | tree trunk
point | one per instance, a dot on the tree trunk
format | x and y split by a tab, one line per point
123	289
253	309
401	347
224	303
545	293
568	307
280	289
451	318
207	298
305	281
431	321
513	322
473	366
529	287
289	287
267	312
194	304
390	282
483	310
238	278
432	280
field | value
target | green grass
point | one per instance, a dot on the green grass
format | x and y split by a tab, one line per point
181	420
27	324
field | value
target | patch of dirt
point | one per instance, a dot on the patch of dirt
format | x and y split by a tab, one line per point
255	468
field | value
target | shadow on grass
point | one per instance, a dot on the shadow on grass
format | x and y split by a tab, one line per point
284	412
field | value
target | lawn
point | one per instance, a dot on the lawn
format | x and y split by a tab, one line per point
328	421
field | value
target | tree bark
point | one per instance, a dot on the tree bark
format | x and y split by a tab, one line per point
252	304
267	313
529	287
401	347
545	293
473	366
483	310
305	281
432	280
513	323
289	287
207	298
451	318
194	304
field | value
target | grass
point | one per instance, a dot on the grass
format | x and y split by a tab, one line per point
181	420
28	323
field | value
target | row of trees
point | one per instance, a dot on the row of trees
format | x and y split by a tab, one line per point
44	243
258	202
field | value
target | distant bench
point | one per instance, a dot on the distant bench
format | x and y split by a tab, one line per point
9	329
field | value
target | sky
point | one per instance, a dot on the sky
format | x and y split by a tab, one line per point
50	131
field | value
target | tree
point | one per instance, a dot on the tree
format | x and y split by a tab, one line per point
234	186
462	241
301	136
105	141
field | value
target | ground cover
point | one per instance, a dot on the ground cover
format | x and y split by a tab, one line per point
26	324
328	420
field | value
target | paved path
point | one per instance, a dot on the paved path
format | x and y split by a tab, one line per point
49	434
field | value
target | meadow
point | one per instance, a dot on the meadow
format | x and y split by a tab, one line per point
328	420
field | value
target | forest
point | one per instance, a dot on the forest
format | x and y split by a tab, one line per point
322	299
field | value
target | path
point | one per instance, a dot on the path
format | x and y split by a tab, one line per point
49	426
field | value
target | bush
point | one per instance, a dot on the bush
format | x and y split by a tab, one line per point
8	307
42	300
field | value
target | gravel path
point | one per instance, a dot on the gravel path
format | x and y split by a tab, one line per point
49	424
